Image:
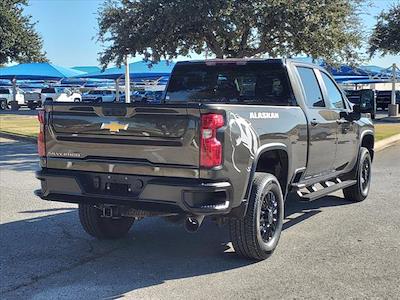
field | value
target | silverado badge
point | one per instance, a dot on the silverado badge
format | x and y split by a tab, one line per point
114	126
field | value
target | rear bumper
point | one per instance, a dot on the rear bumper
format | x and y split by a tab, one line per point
192	196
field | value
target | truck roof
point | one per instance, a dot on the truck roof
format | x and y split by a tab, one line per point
241	61
231	60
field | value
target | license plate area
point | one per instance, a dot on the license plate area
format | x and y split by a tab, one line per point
113	185
120	189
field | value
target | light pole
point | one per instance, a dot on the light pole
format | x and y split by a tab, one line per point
117	97
127	81
14	89
393	108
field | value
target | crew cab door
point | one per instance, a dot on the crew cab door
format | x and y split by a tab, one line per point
347	145
322	126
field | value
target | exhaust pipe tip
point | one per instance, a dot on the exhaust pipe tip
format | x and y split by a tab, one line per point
192	223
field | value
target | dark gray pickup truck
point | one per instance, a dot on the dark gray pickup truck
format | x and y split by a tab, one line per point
230	139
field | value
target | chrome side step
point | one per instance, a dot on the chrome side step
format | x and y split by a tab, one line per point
321	189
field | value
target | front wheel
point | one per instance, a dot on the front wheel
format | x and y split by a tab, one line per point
257	234
100	227
360	190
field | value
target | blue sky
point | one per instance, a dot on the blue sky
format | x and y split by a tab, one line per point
68	29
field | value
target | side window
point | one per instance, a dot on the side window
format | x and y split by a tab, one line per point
311	87
334	94
4	91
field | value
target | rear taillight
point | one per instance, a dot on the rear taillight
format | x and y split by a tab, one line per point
41	139
210	147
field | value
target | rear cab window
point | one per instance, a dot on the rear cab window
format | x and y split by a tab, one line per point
242	83
312	90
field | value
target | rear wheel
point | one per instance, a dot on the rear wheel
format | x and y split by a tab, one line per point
100	227
14	105
257	234
32	106
360	190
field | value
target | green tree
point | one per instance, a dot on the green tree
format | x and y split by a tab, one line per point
18	39
385	36
230	28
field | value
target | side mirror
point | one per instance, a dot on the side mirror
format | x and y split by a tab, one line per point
356	108
356	113
343	115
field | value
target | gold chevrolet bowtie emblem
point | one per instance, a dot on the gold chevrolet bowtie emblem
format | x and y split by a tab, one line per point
114	126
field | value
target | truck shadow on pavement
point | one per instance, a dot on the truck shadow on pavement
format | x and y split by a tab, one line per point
50	256
25	159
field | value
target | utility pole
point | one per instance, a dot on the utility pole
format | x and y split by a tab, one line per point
127	81
393	108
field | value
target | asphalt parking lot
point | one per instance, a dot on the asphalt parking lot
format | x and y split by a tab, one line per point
329	248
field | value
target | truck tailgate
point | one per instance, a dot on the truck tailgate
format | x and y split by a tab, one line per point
148	136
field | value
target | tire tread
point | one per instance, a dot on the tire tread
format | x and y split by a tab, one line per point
243	232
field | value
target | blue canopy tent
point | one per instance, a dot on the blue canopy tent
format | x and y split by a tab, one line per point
4	82
137	70
372	69
345	70
87	69
365	81
37	71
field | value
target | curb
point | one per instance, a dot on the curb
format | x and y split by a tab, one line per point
17	137
380	145
387	120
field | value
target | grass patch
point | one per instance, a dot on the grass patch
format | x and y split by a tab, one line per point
19	125
383	131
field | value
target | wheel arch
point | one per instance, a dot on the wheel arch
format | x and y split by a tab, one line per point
367	140
271	158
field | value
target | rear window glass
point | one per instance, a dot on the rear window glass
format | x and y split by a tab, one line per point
4	91
48	91
251	83
95	92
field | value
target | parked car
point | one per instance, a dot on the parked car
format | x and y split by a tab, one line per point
147	96
99	96
6	98
153	96
138	95
212	147
384	98
366	99
60	94
33	98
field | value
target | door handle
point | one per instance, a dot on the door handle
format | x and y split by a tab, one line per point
314	122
